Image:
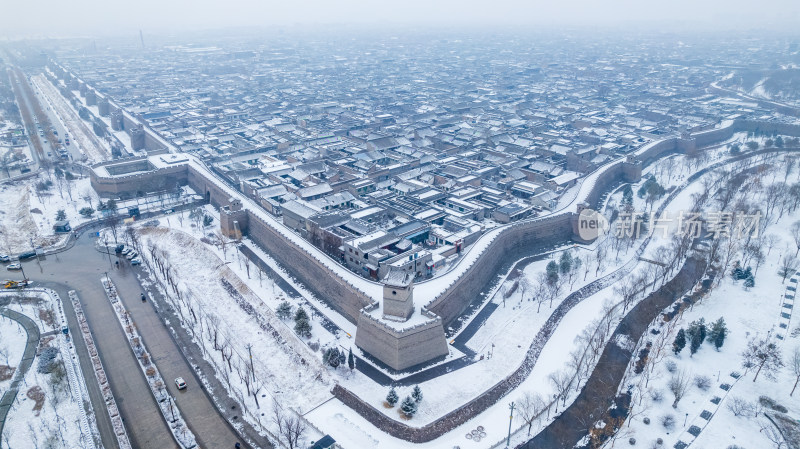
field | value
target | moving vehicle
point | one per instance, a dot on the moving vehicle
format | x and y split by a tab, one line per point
14	266
180	383
9	283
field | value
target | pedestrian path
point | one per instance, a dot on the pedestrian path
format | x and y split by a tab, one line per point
27	360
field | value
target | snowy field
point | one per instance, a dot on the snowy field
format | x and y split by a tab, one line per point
12	346
27	213
51	408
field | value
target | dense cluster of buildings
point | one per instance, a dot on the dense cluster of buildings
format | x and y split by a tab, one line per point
397	154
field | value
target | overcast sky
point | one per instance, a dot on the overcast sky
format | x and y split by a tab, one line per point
56	18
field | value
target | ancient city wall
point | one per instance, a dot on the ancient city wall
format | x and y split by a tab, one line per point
516	241
316	277
401	349
149	181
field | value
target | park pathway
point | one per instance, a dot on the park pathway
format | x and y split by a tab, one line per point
27	360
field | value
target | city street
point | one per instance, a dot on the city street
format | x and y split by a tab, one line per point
80	268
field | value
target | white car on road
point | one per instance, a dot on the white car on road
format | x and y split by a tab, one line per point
180	383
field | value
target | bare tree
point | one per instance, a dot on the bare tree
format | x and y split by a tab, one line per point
258	384
529	407
762	355
679	385
795	230
244	375
741	407
290	427
794	364
227	353
772	433
540	290
561	380
626	290
788	267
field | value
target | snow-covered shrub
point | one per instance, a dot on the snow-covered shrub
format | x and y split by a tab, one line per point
768	402
668	421
702	382
47	360
656	395
671	366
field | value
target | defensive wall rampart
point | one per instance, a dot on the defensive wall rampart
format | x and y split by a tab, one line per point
515	241
402	349
139	181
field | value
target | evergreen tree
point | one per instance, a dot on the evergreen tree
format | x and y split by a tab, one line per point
552	271
392	397
696	333
351	361
718	333
416	394
331	357
750	282
301	314
680	342
408	407
302	327
284	310
627	194
565	263
86	211
61	215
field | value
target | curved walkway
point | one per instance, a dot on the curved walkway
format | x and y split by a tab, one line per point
27	360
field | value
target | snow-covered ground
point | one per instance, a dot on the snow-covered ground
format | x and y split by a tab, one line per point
12	346
49	408
26	214
217	304
748	313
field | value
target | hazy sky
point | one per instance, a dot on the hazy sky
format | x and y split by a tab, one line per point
54	18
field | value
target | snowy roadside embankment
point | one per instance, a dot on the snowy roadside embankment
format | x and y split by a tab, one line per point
100	374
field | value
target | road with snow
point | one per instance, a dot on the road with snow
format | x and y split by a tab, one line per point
80	268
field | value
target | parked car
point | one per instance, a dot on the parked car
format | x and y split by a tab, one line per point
27	255
180	383
4	258
136	261
14	266
126	250
132	255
